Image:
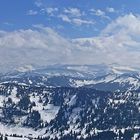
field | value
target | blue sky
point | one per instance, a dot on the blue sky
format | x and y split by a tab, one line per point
19	14
43	32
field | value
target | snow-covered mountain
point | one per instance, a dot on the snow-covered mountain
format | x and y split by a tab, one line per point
70	102
101	77
67	113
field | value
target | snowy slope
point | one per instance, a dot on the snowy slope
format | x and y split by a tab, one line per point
60	100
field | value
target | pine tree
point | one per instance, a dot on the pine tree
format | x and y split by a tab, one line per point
1	137
5	138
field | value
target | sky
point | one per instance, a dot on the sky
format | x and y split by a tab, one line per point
45	32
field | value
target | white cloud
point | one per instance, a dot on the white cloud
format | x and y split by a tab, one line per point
128	24
44	9
70	15
79	22
40	46
32	12
99	13
118	43
75	21
74	12
8	23
110	9
50	10
39	3
65	18
74	16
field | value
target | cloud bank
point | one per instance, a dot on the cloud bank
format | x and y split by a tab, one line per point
118	43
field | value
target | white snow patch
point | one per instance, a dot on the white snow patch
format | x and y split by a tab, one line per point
72	101
15	138
49	112
9	129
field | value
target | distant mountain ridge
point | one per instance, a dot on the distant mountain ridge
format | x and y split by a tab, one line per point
101	77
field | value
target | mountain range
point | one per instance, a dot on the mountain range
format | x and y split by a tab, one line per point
71	102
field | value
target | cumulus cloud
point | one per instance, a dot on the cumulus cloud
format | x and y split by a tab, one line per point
127	24
49	10
44	9
75	17
118	43
69	15
74	12
79	21
110	9
99	13
75	21
40	46
32	12
39	3
65	18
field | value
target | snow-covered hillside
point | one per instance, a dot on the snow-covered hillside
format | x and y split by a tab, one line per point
70	102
